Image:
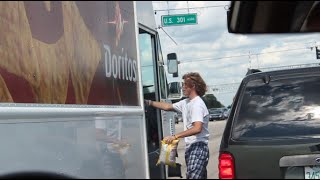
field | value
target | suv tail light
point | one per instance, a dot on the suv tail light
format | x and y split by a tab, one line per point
226	166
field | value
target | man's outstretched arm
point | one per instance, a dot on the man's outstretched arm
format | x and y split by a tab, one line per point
160	105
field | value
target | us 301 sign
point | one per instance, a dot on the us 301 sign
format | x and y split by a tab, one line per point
179	19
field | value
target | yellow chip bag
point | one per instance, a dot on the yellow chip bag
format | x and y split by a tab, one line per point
168	153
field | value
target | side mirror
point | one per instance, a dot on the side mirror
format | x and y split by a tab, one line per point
172	63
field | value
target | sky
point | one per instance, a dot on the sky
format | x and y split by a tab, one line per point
208	47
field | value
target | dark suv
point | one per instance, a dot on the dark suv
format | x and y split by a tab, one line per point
273	130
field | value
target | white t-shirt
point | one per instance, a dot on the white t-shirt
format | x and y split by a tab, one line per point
192	111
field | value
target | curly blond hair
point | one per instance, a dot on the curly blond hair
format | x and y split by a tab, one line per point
194	78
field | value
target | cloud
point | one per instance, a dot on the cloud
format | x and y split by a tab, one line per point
282	55
228	41
222	57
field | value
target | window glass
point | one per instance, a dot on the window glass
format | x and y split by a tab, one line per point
282	108
163	91
147	62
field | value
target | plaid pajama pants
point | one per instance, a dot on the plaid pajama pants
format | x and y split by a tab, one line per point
197	157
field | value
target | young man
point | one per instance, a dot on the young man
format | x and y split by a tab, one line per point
195	118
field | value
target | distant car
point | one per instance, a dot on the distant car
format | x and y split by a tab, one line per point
273	131
226	113
216	114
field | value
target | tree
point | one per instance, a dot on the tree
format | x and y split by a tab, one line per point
211	101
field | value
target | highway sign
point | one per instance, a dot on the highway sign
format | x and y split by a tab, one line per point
179	19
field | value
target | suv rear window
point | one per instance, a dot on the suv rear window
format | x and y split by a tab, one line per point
281	109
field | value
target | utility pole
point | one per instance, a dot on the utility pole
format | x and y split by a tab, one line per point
188	6
317	52
249	60
258	61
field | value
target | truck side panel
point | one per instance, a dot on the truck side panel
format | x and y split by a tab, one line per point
68	53
64	141
69	70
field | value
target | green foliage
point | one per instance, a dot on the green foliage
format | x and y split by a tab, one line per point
211	101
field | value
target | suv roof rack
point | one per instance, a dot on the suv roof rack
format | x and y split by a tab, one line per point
251	71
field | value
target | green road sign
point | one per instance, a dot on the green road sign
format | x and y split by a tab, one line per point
179	19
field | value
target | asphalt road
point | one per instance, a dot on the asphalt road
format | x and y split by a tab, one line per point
216	129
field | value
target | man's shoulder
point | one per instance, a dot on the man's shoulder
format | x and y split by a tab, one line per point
183	101
199	100
200	103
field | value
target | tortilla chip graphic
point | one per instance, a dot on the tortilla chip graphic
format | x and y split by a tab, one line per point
17	52
46	67
4	92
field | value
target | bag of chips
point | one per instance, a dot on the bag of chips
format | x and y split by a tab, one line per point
168	153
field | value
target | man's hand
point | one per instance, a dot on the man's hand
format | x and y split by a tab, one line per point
121	146
147	102
169	139
122	142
